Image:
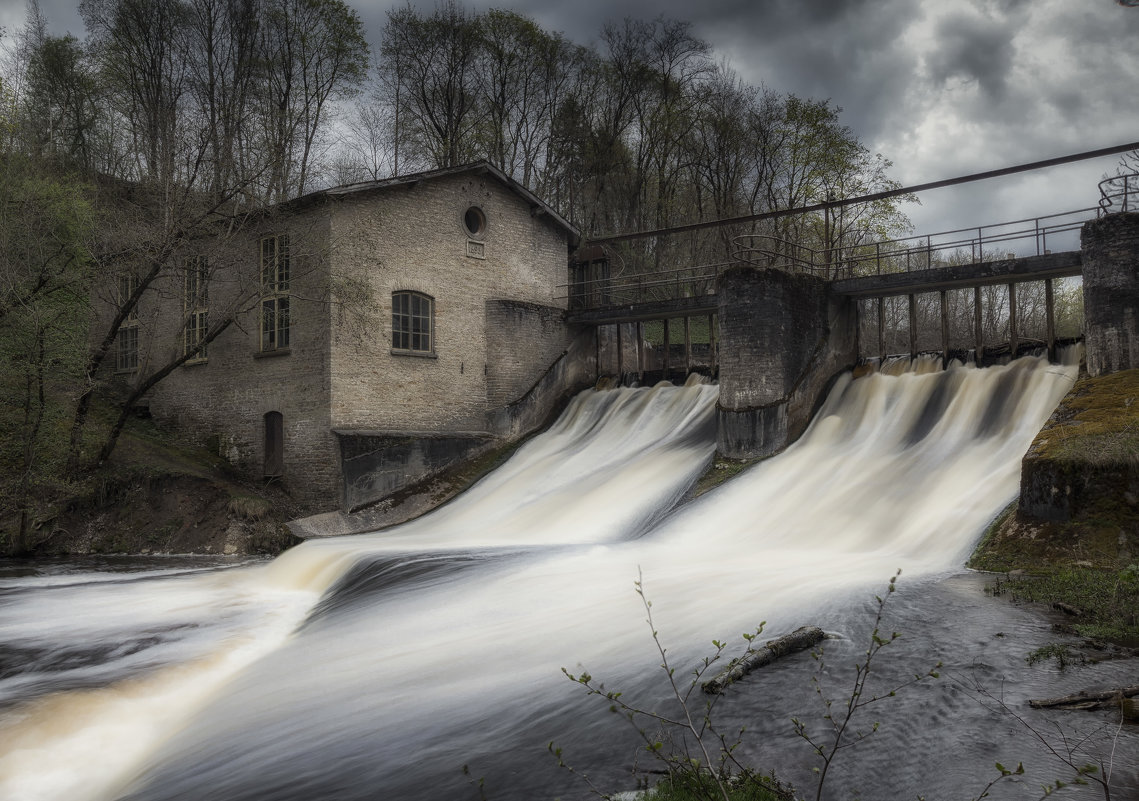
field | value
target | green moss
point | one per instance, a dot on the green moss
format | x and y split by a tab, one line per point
1063	654
992	553
720	470
1096	423
1091	447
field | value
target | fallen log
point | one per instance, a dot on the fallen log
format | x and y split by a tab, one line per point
1088	699
798	640
1067	609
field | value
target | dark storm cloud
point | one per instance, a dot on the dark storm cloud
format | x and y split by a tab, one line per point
974	49
941	87
850	52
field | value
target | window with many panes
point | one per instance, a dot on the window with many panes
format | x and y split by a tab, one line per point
196	305
275	293
126	349
413	323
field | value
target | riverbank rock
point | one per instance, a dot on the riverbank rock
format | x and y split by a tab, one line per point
165	514
1079	487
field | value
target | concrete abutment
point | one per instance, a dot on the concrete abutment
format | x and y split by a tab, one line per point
783	337
1110	247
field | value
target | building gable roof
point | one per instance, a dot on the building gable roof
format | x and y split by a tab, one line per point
538	207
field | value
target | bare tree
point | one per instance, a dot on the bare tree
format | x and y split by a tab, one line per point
313	52
429	69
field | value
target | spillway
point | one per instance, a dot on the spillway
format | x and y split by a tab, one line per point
379	666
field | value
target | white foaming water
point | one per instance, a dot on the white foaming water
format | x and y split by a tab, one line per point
117	661
443	639
613	462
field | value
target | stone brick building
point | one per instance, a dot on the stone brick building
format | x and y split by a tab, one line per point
384	330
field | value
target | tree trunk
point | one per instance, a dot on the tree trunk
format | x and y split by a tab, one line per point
798	640
146	385
1088	699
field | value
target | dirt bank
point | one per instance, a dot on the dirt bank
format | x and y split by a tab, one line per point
157	496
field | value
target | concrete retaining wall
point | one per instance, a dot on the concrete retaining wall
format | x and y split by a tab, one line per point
783	337
377	464
1111	292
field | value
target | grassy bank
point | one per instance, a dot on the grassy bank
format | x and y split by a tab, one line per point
1072	541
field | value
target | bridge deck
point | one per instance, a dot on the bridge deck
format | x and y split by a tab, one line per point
961	276
646	310
1004	271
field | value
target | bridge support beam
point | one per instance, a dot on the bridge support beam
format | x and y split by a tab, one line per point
1050	318
1110	248
1013	323
784	337
978	329
944	330
640	352
913	327
881	329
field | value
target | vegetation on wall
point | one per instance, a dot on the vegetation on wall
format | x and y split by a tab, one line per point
1083	558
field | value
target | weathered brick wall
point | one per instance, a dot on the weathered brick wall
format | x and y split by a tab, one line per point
573	372
523	340
349	253
222	401
771	322
1110	258
412	238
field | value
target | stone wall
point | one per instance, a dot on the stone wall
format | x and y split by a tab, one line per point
523	340
1110	247
377	465
783	337
412	238
222	401
573	371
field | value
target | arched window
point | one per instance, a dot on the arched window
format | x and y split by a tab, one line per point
274	445
413	323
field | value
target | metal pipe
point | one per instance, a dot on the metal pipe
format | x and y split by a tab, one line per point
907	190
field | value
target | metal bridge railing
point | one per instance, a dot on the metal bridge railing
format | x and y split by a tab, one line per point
908	254
1119	193
626	290
1030	236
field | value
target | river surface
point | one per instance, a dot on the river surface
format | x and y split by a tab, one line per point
379	666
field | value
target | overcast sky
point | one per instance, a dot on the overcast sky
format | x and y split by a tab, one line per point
940	87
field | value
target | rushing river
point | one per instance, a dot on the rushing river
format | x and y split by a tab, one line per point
378	666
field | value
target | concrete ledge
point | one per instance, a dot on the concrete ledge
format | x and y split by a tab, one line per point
376	464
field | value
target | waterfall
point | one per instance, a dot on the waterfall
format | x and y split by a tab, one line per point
377	666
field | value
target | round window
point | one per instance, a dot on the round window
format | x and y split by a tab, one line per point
474	221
